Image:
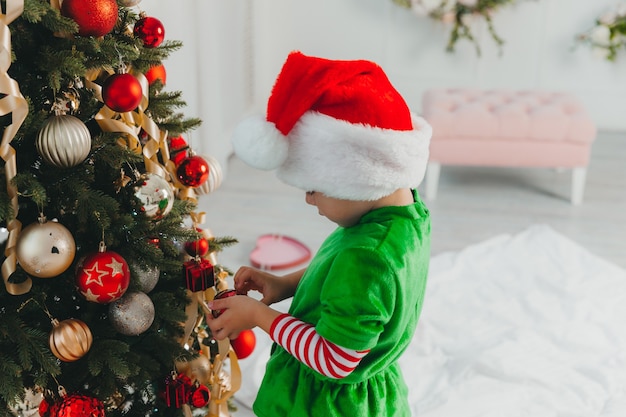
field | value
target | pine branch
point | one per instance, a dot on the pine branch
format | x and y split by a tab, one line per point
91	199
220	243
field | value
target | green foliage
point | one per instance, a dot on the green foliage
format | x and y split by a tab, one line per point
459	14
94	203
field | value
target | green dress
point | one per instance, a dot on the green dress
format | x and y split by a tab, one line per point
363	290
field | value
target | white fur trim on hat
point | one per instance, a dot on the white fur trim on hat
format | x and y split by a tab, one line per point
259	144
354	161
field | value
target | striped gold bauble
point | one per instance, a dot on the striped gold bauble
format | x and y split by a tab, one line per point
70	339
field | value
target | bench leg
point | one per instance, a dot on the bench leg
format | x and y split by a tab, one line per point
579	176
432	180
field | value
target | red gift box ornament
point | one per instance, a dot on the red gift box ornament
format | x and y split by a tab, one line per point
199	274
177	389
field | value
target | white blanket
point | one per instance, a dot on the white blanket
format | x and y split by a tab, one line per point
529	325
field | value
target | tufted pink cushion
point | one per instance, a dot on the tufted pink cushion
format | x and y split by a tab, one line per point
504	127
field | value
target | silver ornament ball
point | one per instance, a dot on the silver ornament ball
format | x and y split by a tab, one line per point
132	314
63	141
156	196
146	279
215	177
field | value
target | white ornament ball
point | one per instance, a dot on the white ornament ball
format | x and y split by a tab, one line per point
215	176
132	314
45	249
64	141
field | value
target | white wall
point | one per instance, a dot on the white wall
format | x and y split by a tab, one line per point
212	69
221	78
539	53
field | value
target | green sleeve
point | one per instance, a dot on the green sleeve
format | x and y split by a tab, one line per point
357	299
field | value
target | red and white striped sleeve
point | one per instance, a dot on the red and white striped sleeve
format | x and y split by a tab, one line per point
301	340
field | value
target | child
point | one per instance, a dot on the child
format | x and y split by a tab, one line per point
342	133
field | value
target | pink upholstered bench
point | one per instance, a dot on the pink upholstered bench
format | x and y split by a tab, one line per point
509	129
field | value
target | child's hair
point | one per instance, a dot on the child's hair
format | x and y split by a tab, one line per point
336	127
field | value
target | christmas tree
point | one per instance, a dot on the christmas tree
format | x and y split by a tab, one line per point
106	265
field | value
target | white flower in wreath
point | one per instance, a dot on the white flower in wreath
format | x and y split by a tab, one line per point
600	52
612	16
425	7
608	18
449	17
601	35
468	3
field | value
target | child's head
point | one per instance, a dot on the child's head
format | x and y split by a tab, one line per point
339	128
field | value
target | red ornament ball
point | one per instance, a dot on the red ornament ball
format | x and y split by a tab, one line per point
193	171
94	17
48	408
244	344
80	405
150	30
178	149
200	396
122	92
156	72
102	277
198	247
220	295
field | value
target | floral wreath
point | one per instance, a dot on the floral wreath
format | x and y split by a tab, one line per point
608	35
459	13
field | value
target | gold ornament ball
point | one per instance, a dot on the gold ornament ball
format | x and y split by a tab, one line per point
70	339
201	369
45	249
198	368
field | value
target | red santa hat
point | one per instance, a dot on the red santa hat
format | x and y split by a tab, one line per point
336	127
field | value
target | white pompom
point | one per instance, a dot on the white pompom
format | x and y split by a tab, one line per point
259	144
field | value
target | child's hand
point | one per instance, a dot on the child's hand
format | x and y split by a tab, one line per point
273	288
239	313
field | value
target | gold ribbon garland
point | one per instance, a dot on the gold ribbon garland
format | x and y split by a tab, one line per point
222	385
15	104
130	124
